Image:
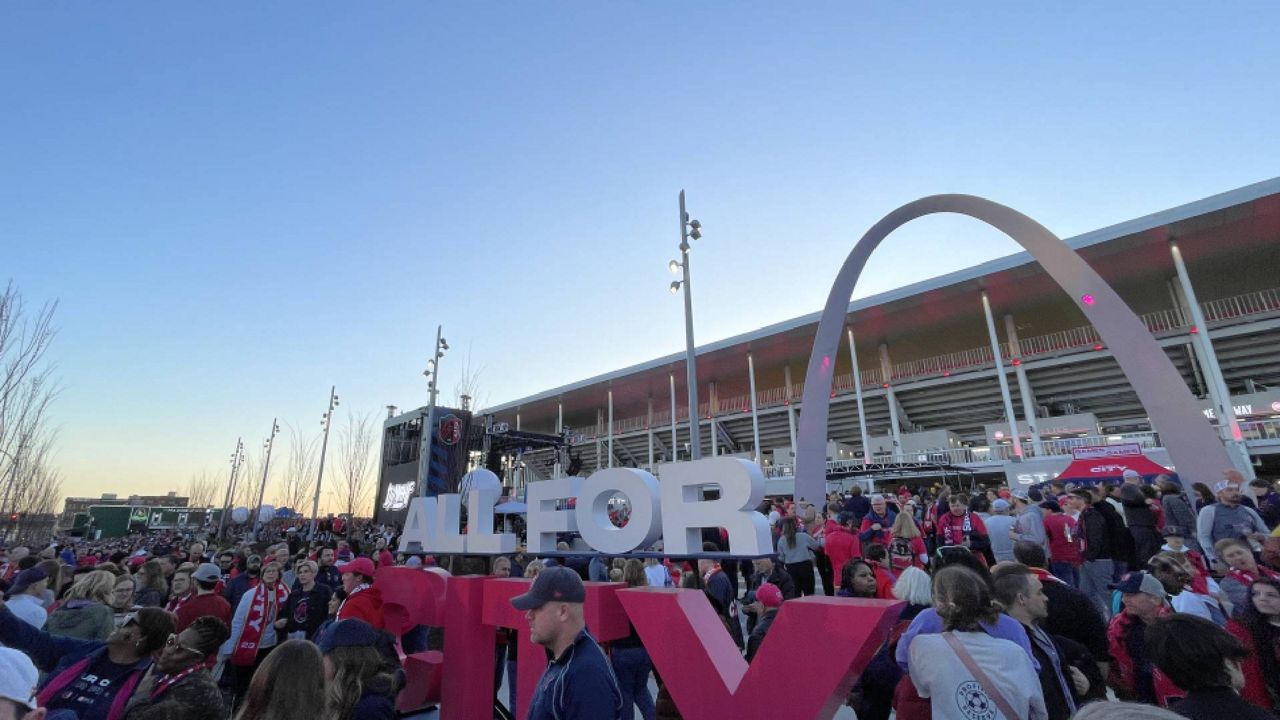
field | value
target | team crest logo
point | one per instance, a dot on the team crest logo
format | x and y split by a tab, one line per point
974	702
450	432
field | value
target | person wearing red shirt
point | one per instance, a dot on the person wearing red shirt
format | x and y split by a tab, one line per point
878	556
842	544
958	526
207	602
364	601
1064	544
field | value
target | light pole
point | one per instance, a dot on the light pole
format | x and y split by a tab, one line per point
688	229
267	445
432	374
326	420
237	459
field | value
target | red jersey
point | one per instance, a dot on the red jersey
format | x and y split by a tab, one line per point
1065	543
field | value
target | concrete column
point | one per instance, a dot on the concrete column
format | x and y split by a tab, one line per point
755	415
886	373
675	447
1024	385
517	421
857	394
1193	355
713	407
1228	422
1004	382
791	416
610	431
599	429
648	426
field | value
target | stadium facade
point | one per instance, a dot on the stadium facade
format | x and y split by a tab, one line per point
931	401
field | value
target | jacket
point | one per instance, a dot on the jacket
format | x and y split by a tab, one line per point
62	659
1255	688
195	697
1126	674
366	605
83	620
1093	528
842	546
1179	513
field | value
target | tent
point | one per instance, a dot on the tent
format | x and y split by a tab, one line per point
1110	469
510	507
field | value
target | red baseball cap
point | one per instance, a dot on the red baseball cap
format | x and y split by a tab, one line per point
359	566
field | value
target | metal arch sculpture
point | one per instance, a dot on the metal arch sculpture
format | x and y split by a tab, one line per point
1194	447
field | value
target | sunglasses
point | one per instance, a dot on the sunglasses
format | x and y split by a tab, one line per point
174	643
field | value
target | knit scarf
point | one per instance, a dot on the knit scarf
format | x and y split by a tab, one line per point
953	533
247	649
1247	578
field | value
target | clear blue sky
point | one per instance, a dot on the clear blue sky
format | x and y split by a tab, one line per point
238	205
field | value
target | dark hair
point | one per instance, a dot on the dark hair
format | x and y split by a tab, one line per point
207	584
875	552
1030	553
290	682
1193	651
156	625
213	632
847	572
1264	634
1203	491
1008	581
845	517
789	530
952	555
960	498
980	503
962	598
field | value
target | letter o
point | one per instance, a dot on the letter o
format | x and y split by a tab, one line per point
645	526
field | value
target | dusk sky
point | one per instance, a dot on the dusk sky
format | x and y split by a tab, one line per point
239	205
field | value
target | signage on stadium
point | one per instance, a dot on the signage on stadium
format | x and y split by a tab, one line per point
674	510
1096	452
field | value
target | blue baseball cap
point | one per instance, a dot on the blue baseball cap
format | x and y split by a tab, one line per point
351	632
553	584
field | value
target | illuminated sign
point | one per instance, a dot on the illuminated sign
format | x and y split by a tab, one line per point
1106	451
1241	410
398	495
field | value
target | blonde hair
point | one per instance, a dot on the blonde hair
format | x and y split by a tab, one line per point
533	568
95	586
904	526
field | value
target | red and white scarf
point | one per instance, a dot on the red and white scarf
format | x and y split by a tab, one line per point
259	615
1246	578
354	592
955	529
167	681
176	604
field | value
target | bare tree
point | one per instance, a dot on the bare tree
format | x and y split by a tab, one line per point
202	490
469	384
300	471
249	479
353	486
29	485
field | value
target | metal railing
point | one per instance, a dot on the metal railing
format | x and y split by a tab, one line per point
985	454
1073	339
1260	430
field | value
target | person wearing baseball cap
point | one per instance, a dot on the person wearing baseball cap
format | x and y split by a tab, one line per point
364	601
767	601
578	683
1228	518
206	602
18	678
1132	674
26	596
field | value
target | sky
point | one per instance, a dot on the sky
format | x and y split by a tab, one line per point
237	206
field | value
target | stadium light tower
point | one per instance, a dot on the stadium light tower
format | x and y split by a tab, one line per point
326	420
262	489
689	228
432	374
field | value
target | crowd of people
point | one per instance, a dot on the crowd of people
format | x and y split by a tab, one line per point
1055	602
